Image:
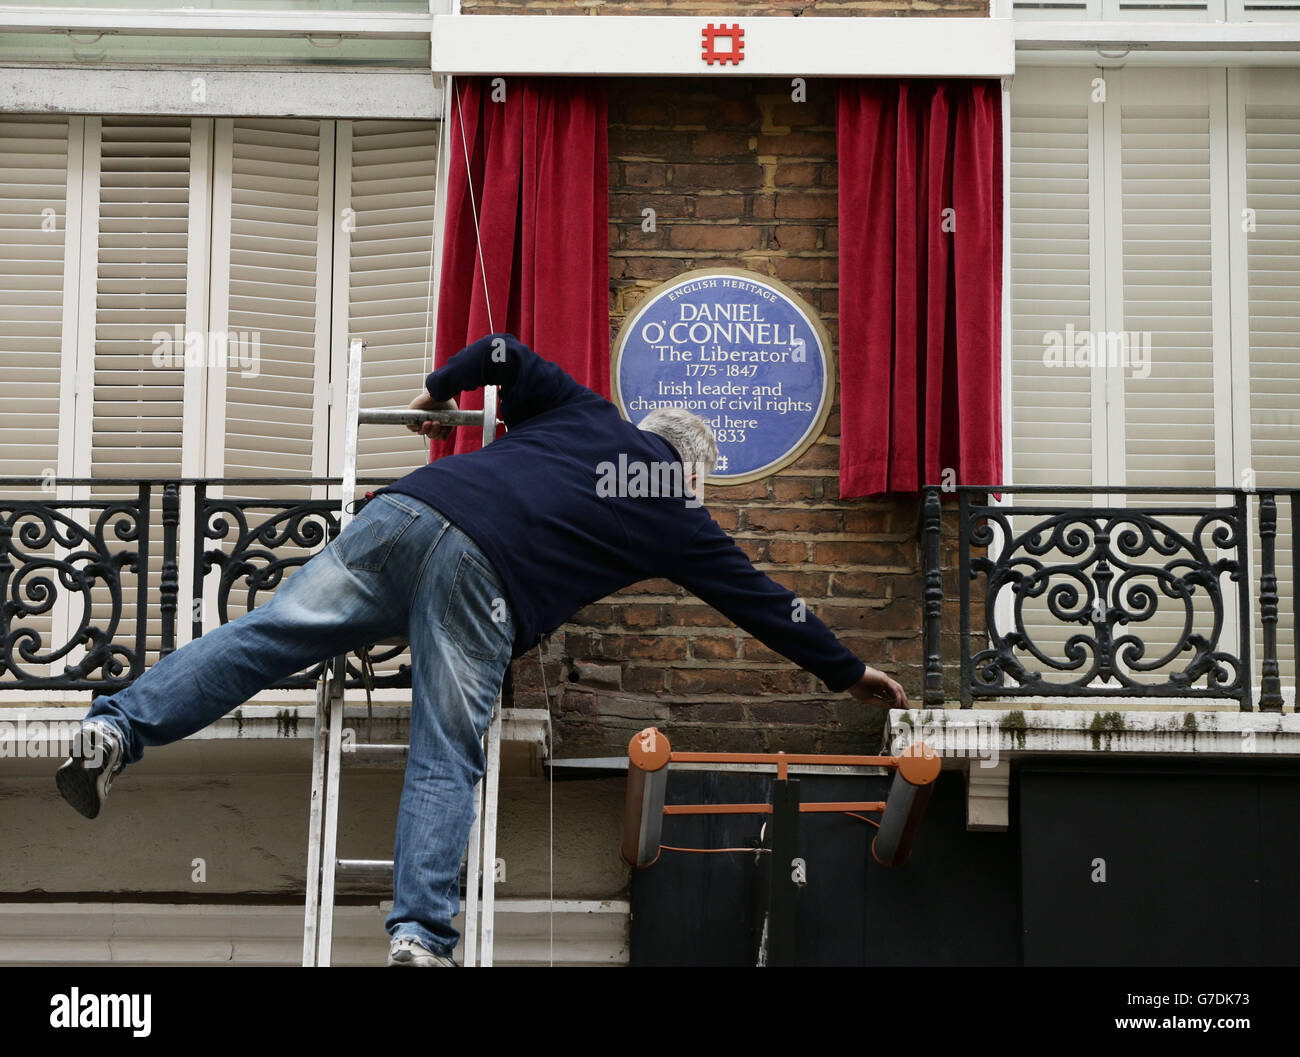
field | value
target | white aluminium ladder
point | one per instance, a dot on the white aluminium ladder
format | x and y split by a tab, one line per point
324	867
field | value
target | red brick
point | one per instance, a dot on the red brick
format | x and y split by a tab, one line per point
721	176
645	174
724	145
646	112
819	456
639	144
753	650
656	586
794	237
790	712
792	489
732	492
727	517
631	237
805	584
711	712
626	206
908	651
795	115
596	615
716	680
787	552
711	237
798	144
806	206
643	680
853	584
713	648
641	616
805	269
694	615
768	519
796	174
644	647
894	518
719	206
865	552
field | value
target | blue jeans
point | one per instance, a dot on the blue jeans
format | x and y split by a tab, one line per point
399	568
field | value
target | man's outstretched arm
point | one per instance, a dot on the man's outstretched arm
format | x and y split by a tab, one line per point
529	383
718	572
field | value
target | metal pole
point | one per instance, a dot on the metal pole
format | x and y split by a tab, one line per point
781	906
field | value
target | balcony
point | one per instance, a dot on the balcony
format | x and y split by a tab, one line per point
1105	597
99	578
1108	597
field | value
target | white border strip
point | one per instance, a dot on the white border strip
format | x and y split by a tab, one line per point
226	93
374	25
1271	36
643	46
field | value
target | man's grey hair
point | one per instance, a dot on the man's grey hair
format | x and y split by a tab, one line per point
689	434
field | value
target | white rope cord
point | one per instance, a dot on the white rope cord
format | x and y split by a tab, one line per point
550	824
473	207
430	323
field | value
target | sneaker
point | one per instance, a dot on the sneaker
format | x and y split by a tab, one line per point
408	951
95	761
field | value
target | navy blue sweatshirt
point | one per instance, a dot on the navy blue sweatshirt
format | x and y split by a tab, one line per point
537	503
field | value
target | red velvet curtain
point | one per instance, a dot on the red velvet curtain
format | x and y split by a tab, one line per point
539	175
920	232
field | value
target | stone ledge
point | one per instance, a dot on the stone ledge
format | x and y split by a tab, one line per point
254	738
960	735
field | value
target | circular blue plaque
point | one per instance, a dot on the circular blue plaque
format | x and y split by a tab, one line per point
742	351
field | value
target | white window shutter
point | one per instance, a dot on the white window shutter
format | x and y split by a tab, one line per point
1052	249
1163	10
140	297
270	298
37	310
388	177
1167	127
1263	10
1267	104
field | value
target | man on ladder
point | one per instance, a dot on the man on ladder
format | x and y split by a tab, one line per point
474	558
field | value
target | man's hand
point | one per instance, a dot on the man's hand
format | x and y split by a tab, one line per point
876	688
433	430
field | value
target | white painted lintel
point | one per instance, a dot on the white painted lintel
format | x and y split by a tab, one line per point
671	46
372	25
386	94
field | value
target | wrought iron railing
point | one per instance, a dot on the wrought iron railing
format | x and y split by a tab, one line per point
1145	595
85	600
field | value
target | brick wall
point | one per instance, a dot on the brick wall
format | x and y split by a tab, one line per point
739	176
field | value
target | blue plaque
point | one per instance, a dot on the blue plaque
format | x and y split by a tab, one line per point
740	350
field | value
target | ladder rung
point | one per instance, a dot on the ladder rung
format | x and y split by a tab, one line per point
376	756
406	417
376	870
